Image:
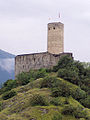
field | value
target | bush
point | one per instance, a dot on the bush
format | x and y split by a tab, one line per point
60	91
78	94
78	111
64	62
38	100
22	78
68	110
41	73
68	74
57	116
37	73
49	70
49	82
56	102
86	102
9	84
3	116
0	106
8	94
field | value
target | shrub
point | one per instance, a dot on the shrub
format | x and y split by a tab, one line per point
56	92
78	111
41	73
37	73
56	102
49	70
60	91
3	116
86	102
78	94
68	110
68	74
64	62
57	116
49	82
22	78
0	106
38	100
81	119
9	94
9	84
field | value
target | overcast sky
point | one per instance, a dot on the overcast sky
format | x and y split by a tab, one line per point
23	25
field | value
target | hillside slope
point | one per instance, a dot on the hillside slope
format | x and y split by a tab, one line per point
19	107
44	94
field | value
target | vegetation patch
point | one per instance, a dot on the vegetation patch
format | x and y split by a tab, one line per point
8	94
57	116
38	100
61	93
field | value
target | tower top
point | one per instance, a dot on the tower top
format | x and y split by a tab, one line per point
55	23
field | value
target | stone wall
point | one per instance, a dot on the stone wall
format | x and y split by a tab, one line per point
55	38
24	63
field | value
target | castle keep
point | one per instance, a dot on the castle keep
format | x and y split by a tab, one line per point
55	38
55	49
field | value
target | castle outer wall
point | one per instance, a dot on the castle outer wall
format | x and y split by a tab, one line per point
24	63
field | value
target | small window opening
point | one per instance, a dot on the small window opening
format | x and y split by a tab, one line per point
23	66
54	28
48	28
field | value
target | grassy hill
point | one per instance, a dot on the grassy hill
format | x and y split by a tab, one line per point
45	95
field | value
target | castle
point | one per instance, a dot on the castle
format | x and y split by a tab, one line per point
55	49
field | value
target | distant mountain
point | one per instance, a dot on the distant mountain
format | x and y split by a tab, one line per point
6	66
5	55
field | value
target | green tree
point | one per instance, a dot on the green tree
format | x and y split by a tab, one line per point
64	62
68	74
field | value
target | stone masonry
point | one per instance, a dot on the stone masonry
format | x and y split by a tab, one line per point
23	63
56	38
55	47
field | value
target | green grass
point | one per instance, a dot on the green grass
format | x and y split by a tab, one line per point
19	108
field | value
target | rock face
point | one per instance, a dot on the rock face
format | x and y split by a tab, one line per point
23	63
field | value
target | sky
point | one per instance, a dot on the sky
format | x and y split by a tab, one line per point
23	25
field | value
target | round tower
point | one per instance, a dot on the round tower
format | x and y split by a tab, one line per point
55	38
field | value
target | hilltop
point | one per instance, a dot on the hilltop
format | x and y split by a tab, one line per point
61	93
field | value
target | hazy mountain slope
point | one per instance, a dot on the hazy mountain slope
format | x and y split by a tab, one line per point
5	55
6	66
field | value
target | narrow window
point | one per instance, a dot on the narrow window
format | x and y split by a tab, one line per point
54	28
48	28
23	66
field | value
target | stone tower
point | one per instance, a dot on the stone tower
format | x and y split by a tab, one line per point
55	43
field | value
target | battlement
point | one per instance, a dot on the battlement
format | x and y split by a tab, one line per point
55	24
